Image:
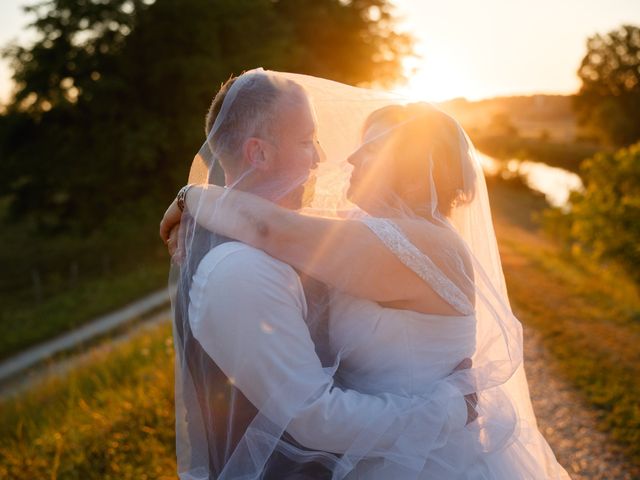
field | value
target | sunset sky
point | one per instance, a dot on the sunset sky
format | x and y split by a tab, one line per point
470	48
484	48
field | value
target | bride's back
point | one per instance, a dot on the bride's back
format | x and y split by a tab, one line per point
391	350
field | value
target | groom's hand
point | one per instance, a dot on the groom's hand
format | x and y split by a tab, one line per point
169	230
174	245
170	219
471	398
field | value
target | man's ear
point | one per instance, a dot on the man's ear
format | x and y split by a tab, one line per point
256	154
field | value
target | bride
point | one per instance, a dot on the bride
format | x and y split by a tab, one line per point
401	232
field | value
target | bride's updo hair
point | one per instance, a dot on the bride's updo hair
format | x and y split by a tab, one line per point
420	132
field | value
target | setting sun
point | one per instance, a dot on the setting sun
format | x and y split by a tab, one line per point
436	76
494	48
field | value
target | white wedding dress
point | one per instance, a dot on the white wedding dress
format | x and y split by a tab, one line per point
404	352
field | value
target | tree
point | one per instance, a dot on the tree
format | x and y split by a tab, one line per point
603	222
111	97
77	44
609	100
350	41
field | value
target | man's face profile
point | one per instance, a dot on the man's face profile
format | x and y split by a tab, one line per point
297	151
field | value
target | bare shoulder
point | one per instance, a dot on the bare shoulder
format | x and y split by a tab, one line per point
426	234
447	251
434	241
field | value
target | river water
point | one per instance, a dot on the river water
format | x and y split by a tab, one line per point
555	183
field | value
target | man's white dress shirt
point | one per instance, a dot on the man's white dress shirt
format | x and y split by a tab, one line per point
247	310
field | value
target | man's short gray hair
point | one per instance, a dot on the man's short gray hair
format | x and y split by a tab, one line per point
252	112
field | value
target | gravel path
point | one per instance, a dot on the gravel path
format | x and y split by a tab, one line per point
18	363
568	424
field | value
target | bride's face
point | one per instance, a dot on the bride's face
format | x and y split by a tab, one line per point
373	169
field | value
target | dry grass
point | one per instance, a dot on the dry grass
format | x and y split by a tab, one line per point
588	318
111	419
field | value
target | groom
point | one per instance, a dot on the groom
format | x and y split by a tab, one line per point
247	341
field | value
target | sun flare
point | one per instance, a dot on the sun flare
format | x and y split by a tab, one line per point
435	77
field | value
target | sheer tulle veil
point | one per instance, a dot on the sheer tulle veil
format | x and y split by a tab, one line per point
450	202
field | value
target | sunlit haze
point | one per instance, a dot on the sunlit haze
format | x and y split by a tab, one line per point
480	49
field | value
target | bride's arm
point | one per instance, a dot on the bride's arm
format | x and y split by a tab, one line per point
345	254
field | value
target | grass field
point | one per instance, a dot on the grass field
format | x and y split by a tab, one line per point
25	324
79	277
113	418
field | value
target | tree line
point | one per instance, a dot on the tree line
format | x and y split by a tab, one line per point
109	105
111	97
603	221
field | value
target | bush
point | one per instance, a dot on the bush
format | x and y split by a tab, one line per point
603	221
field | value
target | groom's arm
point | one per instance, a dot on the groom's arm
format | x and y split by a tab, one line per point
247	311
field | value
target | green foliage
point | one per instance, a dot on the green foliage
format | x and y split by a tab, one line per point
110	98
609	99
587	316
108	112
604	220
78	42
28	323
87	272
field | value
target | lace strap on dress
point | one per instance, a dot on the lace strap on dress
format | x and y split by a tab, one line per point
411	256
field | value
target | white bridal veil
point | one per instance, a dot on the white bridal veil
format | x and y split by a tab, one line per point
422	197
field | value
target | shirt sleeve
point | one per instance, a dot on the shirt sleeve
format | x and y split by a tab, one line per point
247	311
